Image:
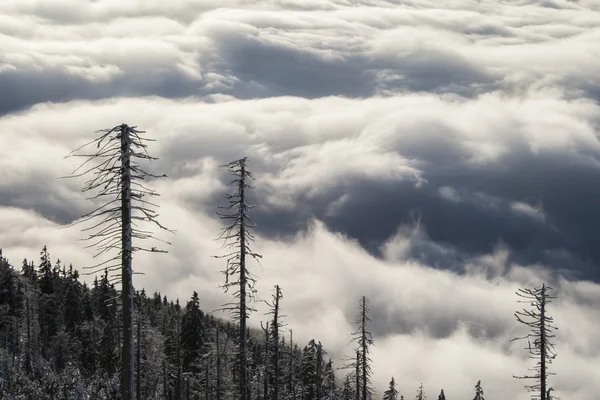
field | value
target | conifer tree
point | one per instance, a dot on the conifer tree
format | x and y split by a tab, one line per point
478	391
542	332
391	393
421	393
310	377
347	392
237	237
192	334
442	396
117	175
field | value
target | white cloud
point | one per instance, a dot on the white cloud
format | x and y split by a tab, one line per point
496	152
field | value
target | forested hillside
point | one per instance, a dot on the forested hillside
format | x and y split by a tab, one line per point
60	339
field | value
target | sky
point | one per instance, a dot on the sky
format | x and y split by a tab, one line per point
432	156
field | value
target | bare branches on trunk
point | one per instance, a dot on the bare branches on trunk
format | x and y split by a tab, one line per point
237	237
275	326
116	179
364	340
539	342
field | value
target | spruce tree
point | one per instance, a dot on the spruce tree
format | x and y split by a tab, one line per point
478	391
391	393
421	393
192	334
442	396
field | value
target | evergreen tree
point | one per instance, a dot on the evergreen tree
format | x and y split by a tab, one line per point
478	391
421	393
310	378
192	334
391	393
442	396
347	392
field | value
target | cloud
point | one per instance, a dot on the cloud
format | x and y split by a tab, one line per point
433	158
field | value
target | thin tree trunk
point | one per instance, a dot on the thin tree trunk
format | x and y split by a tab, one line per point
319	366
28	337
218	366
292	383
266	371
127	380
206	381
543	344
244	389
164	378
364	350
357	375
139	352
276	343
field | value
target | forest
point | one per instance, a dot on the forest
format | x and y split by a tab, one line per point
62	339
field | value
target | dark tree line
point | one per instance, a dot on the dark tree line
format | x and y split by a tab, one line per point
60	338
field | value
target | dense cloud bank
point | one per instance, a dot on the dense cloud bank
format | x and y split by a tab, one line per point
432	159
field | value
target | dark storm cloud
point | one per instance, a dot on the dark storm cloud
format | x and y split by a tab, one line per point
372	211
28	87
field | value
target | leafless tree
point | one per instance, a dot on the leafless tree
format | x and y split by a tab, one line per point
116	180
364	340
237	237
276	325
542	328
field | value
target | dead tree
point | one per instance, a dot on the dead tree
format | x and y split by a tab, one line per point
275	326
267	370
116	179
364	340
237	237
542	328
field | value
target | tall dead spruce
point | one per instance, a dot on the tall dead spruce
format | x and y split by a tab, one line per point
542	328
237	237
364	340
121	205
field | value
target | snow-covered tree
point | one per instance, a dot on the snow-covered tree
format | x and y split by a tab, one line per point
391	393
421	393
478	392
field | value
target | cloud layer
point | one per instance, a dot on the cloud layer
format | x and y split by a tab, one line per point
432	159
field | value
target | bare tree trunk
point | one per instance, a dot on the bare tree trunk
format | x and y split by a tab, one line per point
127	379
539	338
29	355
244	389
239	236
357	375
139	352
266	370
364	349
543	354
292	383
276	342
319	366
218	366
164	378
